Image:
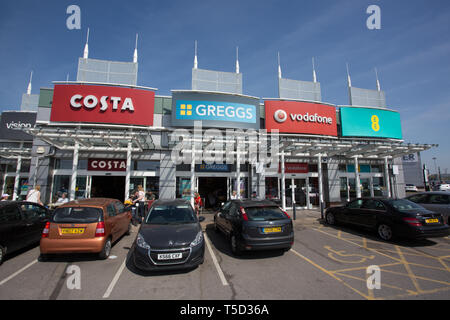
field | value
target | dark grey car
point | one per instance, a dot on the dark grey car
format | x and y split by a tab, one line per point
436	201
254	225
170	237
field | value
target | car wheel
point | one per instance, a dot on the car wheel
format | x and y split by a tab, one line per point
104	254
234	245
385	232
2	254
330	219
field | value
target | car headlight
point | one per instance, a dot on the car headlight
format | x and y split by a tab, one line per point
141	242
198	239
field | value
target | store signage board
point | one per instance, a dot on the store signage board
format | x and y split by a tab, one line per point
12	125
102	104
291	167
215	110
370	122
300	117
107	164
212	168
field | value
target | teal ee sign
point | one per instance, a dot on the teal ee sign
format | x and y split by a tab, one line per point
369	122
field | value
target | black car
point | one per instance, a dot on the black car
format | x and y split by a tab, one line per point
170	237
21	224
436	201
254	225
390	217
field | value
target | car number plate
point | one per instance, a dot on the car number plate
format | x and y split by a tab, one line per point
170	256
432	220
272	230
72	230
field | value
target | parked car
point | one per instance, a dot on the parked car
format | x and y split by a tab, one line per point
390	218
170	237
442	187
437	201
411	188
254	225
85	226
21	224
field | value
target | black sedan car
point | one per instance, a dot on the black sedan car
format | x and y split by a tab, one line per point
254	225
21	224
390	217
170	237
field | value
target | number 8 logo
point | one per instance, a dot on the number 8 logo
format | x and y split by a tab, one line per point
375	123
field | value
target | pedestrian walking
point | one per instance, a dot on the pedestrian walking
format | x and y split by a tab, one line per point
197	203
140	201
34	195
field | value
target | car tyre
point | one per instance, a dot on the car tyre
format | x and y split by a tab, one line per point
234	244
330	219
2	254
106	251
385	232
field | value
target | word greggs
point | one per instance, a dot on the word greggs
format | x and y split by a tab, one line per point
91	101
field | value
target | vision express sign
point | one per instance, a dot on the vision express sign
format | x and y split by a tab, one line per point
215	110
12	122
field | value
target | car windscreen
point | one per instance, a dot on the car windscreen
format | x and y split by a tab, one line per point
404	205
171	214
77	215
264	213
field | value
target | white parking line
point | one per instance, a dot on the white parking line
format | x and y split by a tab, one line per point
18	272
219	270
114	280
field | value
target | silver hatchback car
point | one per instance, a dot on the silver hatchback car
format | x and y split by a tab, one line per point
436	201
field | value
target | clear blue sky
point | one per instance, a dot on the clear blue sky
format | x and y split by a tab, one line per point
411	51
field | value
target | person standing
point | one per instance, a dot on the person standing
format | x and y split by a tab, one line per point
140	201
234	196
34	195
5	197
197	203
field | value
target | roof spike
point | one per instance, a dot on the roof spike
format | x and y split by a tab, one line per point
378	81
237	59
314	71
86	46
195	56
279	66
29	83
135	55
349	80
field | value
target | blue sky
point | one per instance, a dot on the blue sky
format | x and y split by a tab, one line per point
411	51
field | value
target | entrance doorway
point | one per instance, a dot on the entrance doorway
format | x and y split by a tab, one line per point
213	190
108	187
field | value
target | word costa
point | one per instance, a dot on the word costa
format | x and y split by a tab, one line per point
91	101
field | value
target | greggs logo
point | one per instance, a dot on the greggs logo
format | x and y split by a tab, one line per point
77	101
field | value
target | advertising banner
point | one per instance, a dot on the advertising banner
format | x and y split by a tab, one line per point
294	167
369	122
212	167
102	104
107	164
12	122
301	117
215	110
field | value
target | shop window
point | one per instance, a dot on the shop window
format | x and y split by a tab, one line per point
272	188
183	188
152	188
143	165
60	185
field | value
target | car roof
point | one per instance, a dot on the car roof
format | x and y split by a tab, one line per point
170	202
254	203
7	202
431	192
91	202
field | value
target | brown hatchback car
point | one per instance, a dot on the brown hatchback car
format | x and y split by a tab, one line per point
85	226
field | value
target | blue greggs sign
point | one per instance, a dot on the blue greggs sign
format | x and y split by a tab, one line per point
215	110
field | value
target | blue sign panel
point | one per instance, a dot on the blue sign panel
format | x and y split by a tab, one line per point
215	110
370	122
212	167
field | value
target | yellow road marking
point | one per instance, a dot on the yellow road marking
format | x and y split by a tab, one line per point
412	276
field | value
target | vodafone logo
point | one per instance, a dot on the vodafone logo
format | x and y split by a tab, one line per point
280	116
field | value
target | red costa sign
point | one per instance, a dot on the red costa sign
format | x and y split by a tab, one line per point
290	167
102	104
301	117
107	165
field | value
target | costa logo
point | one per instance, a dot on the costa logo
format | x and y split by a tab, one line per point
91	102
107	165
280	116
102	104
301	117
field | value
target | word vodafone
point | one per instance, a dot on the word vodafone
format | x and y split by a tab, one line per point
91	101
311	118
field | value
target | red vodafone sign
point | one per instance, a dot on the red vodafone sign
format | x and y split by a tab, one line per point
102	104
290	167
300	117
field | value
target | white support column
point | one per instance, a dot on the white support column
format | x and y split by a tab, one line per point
128	172
386	177
17	178
283	183
357	181
193	174
308	200
319	171
73	180
238	170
